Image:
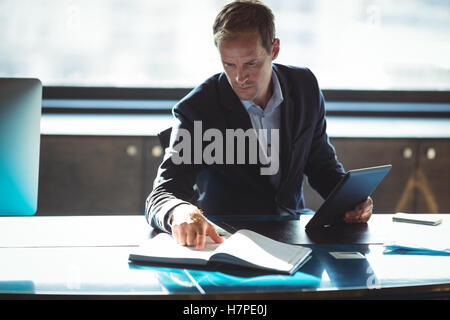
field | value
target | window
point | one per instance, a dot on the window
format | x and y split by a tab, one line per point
349	44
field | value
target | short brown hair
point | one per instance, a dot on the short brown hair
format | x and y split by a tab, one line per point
242	16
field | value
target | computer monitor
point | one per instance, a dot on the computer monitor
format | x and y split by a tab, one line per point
20	131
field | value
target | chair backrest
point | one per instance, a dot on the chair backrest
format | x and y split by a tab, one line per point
164	137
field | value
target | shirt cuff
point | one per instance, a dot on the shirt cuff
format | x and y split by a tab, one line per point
168	217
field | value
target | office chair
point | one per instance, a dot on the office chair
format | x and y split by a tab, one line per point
164	137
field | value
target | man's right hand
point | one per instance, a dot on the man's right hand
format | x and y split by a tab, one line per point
190	227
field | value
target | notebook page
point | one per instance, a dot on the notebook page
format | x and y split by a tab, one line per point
260	250
164	245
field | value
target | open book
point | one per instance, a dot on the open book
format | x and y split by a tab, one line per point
244	248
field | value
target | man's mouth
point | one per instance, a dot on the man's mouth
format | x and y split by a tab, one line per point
244	87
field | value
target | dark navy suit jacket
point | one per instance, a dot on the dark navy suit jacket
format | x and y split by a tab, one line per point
240	189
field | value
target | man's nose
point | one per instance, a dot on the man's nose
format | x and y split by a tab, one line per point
241	76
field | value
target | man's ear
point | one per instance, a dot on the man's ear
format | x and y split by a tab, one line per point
275	48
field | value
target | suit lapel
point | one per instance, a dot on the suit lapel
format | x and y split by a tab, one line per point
235	113
237	118
286	126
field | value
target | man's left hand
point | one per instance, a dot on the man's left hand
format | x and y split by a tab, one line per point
361	213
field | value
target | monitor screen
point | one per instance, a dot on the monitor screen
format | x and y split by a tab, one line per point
20	117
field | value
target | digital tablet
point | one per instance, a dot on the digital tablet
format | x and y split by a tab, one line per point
354	188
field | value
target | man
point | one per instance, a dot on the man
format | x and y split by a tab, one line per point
252	93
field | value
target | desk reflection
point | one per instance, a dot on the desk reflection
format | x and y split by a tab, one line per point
321	271
20	286
341	273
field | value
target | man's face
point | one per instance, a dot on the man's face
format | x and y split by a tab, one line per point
248	66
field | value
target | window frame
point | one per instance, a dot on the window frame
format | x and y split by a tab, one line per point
126	100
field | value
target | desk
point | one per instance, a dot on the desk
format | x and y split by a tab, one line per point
83	256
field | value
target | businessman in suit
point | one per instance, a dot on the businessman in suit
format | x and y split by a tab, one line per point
251	93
